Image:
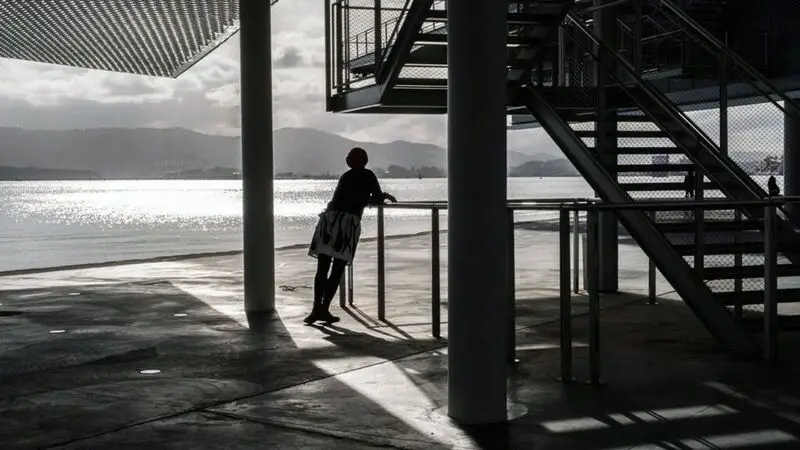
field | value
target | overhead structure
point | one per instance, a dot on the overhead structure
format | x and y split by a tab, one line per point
164	38
144	37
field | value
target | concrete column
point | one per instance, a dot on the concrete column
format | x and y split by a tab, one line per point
476	161
605	27
791	156
257	165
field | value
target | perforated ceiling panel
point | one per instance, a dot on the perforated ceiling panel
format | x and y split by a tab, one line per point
148	37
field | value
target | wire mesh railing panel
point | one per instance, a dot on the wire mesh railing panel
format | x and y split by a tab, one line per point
363	33
648	160
725	99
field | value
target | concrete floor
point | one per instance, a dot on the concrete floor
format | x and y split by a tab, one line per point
161	355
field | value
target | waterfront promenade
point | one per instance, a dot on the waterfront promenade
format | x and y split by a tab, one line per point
159	355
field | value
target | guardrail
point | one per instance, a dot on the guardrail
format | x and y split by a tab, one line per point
569	220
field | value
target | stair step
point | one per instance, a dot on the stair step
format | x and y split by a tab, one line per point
441	39
711	226
727	248
756	297
647	150
625	133
652	187
730	273
539	17
654	167
592	117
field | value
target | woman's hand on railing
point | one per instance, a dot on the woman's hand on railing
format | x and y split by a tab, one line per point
389	197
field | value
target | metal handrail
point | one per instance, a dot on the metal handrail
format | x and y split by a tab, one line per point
591	268
658	96
388	40
585	204
696	29
372	30
442	204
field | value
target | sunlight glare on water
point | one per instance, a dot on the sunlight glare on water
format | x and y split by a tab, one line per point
53	223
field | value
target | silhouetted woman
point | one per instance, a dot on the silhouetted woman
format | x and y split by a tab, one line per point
688	184
338	230
772	187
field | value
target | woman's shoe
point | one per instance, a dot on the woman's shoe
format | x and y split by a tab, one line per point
311	318
327	317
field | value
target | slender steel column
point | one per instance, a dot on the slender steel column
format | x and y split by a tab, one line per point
477	219
791	156
257	166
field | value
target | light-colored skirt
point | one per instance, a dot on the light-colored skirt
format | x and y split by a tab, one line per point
336	235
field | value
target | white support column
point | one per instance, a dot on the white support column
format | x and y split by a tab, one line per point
476	160
257	165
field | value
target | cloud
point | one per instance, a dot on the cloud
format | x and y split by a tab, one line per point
205	98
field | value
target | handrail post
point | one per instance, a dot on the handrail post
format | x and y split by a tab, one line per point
343	291
594	295
723	104
651	272
637	36
699	218
340	63
576	252
770	285
511	293
381	265
350	290
378	44
566	299
738	310
436	298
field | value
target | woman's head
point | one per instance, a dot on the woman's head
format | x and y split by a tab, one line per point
357	158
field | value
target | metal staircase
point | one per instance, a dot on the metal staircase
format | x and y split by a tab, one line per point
634	113
399	64
714	260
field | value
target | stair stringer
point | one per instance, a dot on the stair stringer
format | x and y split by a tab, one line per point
686	282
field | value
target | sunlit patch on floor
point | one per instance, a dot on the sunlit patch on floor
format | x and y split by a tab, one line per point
634	417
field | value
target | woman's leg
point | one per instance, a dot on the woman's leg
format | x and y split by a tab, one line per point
320	284
330	290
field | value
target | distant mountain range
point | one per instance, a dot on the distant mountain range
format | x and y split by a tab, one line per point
156	153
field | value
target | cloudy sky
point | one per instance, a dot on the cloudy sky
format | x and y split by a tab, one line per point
205	98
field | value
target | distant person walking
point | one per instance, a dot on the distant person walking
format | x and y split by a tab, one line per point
772	187
338	230
688	184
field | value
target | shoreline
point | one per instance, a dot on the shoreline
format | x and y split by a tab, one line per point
541	225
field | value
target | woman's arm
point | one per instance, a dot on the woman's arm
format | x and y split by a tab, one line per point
377	196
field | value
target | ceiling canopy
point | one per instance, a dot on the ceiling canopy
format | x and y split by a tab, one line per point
148	37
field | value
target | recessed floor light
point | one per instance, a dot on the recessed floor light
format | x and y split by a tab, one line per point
180	315
74	293
57	331
149	371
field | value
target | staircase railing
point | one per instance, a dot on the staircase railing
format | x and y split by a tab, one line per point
733	104
731	178
363	34
628	77
742	86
